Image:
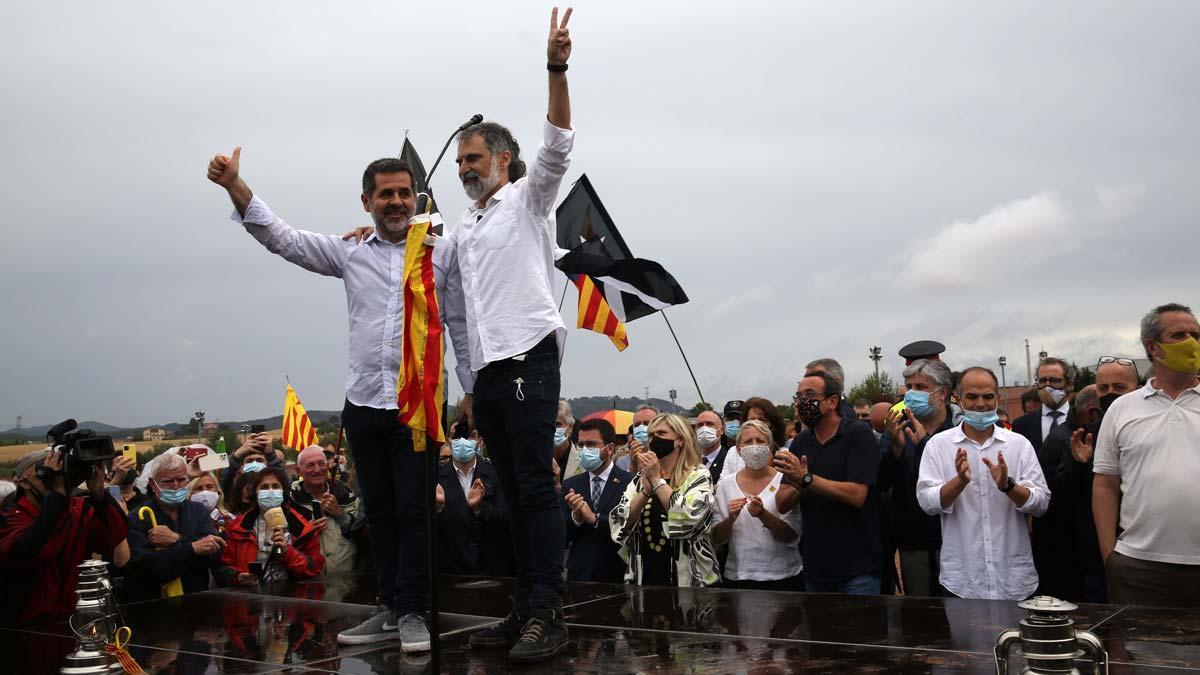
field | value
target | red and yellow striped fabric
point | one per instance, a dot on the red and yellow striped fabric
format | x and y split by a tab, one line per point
420	390
595	314
298	430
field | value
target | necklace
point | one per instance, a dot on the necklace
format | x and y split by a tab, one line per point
656	543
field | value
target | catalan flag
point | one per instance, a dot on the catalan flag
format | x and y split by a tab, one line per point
595	314
421	388
298	430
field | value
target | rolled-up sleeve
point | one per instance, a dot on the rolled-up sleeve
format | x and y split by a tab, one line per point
321	253
930	480
547	169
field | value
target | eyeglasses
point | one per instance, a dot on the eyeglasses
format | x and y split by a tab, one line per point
864	416
1124	362
172	482
1052	381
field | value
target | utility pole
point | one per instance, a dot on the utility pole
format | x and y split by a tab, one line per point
1028	365
647	397
1004	381
200	426
20	436
672	395
876	356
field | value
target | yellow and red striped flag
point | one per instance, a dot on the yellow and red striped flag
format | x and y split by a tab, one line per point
595	314
298	430
420	390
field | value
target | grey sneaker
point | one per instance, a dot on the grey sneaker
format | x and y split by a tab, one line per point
414	634
375	629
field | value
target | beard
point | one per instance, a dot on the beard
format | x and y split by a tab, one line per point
382	224
477	186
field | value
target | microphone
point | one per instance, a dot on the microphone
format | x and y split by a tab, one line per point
275	519
61	428
423	200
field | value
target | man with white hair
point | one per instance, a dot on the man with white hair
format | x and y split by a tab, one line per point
317	496
183	544
566	455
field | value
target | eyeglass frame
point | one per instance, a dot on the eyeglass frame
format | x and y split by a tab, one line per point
1119	360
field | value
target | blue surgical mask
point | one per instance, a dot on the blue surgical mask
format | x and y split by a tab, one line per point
174	497
463	449
590	459
251	467
918	402
269	499
732	428
560	436
641	433
980	421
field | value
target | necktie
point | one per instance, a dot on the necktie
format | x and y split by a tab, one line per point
1055	418
597	489
705	460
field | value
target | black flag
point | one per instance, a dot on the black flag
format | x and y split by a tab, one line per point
410	157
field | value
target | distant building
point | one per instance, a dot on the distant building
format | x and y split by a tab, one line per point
210	427
154	435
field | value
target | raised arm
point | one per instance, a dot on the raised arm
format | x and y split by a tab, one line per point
558	50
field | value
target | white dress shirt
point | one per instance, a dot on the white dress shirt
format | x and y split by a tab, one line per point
1048	420
372	274
464	476
1153	443
985	543
603	476
504	256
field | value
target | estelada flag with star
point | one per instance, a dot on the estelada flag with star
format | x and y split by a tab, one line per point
420	390
614	287
298	430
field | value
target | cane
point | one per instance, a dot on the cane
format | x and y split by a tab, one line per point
173	587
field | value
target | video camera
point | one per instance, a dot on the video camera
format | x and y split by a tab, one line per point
82	449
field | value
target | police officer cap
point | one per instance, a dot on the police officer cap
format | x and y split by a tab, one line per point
922	349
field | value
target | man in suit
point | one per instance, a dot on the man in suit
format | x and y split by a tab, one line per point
589	497
472	515
1051	532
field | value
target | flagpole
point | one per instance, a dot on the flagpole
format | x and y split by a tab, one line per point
685	358
564	295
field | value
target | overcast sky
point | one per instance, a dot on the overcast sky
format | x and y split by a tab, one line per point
819	177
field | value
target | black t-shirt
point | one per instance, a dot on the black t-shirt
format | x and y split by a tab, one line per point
841	542
656	548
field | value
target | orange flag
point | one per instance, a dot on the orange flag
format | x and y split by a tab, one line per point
298	430
420	390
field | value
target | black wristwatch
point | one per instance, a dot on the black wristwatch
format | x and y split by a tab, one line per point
806	481
1009	485
556	67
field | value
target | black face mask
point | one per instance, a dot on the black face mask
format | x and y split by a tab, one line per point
809	411
1107	400
661	447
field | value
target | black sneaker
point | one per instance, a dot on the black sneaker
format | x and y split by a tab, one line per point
503	634
543	636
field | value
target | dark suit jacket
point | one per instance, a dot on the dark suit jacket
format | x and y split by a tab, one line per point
1053	534
593	554
474	543
1029	425
718	465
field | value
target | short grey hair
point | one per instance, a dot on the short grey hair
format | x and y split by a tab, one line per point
645	406
498	138
830	366
564	410
935	370
1152	328
1088	396
168	461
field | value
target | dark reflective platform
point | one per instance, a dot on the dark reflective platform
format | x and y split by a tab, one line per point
614	629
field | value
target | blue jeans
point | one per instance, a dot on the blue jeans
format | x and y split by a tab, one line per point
516	420
866	584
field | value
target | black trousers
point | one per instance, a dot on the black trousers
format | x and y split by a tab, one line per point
390	486
515	406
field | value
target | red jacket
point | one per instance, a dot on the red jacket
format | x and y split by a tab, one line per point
302	558
42	544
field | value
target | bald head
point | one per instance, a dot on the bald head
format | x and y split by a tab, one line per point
1115	378
879	414
312	465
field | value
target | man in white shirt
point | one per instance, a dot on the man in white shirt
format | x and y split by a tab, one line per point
1146	462
985	543
502	250
389	471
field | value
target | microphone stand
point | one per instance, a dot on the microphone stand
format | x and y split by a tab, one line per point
475	119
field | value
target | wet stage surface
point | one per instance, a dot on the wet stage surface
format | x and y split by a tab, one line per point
614	629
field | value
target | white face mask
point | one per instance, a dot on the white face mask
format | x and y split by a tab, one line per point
207	498
708	437
755	456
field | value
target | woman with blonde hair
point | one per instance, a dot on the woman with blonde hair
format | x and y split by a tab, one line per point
664	520
206	490
763	551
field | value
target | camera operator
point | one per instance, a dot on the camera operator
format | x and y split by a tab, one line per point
254	455
181	543
45	534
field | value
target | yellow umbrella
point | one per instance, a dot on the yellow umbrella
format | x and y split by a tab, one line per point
620	419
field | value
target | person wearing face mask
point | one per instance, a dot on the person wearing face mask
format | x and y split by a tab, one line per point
588	499
639	435
763	551
206	491
253	455
180	543
45	534
566	455
1055	378
732	414
289	552
982	480
1145	465
317	495
710	429
473	515
926	412
664	520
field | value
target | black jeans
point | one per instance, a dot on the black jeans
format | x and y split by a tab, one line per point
515	405
389	483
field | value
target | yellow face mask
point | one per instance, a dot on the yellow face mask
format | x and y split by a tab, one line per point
1183	356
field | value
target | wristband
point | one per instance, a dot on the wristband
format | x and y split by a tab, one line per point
556	67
